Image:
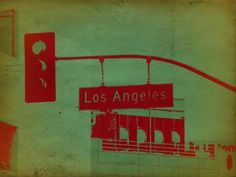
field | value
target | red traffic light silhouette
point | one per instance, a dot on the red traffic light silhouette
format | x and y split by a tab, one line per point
40	74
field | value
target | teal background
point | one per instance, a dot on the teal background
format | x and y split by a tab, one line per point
53	139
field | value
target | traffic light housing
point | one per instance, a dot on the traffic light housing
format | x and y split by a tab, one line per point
40	74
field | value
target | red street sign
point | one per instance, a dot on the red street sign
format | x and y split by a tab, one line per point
126	97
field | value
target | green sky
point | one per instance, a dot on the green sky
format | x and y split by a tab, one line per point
53	139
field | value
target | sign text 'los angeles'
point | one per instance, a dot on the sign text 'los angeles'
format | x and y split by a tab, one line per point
126	97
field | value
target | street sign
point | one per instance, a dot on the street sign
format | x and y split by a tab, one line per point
126	97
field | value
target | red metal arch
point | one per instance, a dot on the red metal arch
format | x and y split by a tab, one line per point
165	60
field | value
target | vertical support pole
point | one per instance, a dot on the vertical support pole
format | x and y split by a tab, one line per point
150	129
148	60
198	172
13	33
0	36
101	60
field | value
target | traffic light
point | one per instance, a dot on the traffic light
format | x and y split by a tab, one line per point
40	74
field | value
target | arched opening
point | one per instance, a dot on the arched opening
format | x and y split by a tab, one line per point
159	138
175	137
124	135
141	136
